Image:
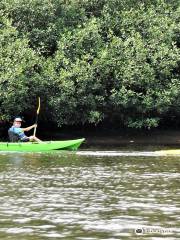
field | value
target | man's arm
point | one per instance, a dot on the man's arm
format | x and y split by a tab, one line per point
29	128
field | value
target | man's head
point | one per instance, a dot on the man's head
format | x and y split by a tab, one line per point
17	122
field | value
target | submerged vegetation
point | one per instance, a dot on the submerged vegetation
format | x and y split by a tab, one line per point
91	61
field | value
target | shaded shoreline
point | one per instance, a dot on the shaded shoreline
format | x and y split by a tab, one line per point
119	138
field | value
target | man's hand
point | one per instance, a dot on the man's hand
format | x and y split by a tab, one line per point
29	128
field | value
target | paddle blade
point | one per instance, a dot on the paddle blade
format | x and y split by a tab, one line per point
39	105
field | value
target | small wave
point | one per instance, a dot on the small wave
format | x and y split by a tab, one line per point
117	153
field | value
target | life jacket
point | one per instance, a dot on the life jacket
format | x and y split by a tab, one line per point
15	134
13	137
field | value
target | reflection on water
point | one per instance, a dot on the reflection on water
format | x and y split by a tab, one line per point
73	196
118	153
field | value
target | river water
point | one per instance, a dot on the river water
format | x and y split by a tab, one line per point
89	195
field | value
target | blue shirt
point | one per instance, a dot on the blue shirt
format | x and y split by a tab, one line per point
18	131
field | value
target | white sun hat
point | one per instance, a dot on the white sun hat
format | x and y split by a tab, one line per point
18	119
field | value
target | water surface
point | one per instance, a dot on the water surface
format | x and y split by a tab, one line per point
88	196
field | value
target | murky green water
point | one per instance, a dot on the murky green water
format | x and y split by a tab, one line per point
66	196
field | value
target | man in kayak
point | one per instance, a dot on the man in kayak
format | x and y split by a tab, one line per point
16	133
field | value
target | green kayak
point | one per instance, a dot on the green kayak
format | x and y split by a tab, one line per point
41	147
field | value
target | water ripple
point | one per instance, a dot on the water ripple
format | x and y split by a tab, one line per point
87	197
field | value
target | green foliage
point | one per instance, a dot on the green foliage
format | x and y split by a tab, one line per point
17	63
91	61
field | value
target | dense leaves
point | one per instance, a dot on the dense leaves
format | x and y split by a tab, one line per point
17	63
91	61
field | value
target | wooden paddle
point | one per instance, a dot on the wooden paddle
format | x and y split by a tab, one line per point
39	105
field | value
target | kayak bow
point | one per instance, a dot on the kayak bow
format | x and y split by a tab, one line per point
41	147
